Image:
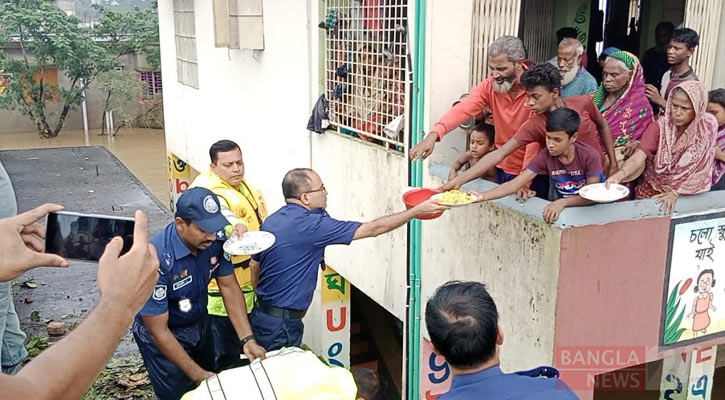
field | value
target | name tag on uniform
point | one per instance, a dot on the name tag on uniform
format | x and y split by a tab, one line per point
180	284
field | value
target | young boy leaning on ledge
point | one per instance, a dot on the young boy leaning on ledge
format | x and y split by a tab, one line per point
570	164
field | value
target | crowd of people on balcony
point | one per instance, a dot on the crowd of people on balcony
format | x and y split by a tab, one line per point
656	130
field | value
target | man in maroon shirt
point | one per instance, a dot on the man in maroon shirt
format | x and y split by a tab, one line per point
569	163
543	84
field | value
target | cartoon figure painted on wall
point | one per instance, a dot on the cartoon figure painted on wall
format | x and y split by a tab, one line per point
702	304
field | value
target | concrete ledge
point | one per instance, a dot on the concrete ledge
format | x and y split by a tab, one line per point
596	214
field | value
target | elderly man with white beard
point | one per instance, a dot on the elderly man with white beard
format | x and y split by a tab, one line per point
575	80
502	92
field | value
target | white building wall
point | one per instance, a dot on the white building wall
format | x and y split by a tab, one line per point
365	182
260	99
448	56
515	255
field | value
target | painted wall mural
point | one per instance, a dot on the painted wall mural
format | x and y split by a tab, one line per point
335	318
694	301
436	376
180	177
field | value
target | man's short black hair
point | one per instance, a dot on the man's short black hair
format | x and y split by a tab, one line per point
542	74
686	36
488	129
462	322
666	26
296	182
566	32
221	147
368	384
717	96
563	119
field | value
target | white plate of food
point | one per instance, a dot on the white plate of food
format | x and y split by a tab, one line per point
251	243
454	198
599	193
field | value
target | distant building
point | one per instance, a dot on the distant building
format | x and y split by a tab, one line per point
68	6
149	96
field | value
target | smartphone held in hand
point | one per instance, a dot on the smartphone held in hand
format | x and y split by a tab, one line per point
85	236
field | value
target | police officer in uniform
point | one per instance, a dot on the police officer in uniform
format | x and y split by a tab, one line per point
172	329
285	275
244	208
462	322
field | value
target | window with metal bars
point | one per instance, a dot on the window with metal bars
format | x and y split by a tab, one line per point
152	87
489	22
365	68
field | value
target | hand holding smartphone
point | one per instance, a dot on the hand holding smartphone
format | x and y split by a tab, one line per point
85	236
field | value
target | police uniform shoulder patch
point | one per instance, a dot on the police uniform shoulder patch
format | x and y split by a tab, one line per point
159	292
210	205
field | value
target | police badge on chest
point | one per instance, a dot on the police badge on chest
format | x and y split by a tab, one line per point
185	305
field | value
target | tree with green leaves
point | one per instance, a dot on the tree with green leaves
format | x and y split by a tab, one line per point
120	89
125	32
47	37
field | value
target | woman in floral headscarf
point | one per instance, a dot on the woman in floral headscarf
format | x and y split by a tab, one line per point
621	98
679	149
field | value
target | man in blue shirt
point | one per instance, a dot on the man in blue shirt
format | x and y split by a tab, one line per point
462	322
285	275
172	330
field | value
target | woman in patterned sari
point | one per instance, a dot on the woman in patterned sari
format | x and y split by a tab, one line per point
621	99
678	149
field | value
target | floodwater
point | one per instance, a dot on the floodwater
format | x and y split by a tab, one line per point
142	151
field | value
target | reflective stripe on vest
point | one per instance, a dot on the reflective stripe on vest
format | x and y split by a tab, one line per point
214	386
263	383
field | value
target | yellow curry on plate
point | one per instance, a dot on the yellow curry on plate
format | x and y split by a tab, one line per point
454	197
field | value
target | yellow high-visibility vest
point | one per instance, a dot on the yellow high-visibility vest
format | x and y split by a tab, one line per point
248	206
